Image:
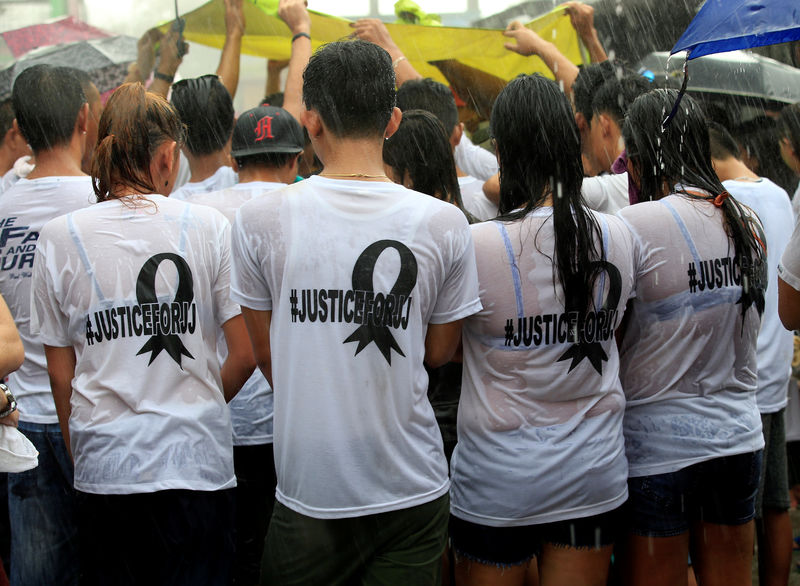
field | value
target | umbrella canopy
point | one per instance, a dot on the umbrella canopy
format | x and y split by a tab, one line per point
105	60
727	25
63	30
736	73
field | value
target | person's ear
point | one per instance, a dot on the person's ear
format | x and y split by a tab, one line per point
234	165
394	123
605	124
162	164
312	122
82	121
580	120
455	136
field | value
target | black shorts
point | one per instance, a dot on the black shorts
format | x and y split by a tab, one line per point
511	546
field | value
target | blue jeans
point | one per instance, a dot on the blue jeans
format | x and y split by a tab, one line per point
41	506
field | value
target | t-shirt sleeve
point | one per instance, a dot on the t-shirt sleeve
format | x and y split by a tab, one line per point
789	267
249	287
47	317
459	295
224	307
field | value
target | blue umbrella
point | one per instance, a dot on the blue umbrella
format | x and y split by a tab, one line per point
727	25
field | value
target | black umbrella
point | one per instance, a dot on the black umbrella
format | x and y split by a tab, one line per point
736	73
105	60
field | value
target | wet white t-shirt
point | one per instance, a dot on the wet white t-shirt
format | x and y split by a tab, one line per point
222	178
540	418
606	193
475	160
688	359
775	345
251	409
140	292
474	200
24	209
353	272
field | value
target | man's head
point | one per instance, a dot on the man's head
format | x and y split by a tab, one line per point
268	138
434	97
12	144
789	131
350	86
48	102
723	145
206	108
602	143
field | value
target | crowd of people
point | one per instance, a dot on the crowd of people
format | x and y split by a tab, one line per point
332	341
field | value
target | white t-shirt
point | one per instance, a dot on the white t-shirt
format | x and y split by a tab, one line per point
775	344
688	362
140	292
606	193
540	418
353	273
475	160
474	200
222	178
24	209
251	409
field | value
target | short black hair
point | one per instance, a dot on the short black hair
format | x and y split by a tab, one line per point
614	96
431	96
47	101
789	125
265	160
206	108
723	145
6	117
86	82
351	85
275	99
589	80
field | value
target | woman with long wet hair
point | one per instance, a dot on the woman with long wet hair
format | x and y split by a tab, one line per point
128	295
539	468
688	356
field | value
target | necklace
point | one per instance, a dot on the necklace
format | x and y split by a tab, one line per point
358	175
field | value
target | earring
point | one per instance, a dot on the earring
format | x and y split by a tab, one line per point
166	182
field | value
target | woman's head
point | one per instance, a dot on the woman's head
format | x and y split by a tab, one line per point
139	133
538	145
662	156
419	155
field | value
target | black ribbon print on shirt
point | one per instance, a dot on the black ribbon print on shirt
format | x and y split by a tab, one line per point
146	295
587	346
370	331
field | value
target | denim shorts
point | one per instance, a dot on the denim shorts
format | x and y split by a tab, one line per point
512	546
720	491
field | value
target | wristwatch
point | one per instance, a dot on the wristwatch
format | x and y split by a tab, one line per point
12	402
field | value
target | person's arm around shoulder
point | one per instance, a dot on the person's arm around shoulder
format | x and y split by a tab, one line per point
295	15
240	363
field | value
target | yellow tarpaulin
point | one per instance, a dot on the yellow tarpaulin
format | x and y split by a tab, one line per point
267	36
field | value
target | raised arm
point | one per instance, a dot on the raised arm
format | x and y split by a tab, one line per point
140	70
374	31
529	43
582	17
173	48
228	69
295	15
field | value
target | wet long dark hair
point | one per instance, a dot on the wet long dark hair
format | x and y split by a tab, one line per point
133	125
676	157
421	148
539	151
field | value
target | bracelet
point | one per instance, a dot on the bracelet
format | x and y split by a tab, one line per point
398	60
12	402
298	35
163	77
